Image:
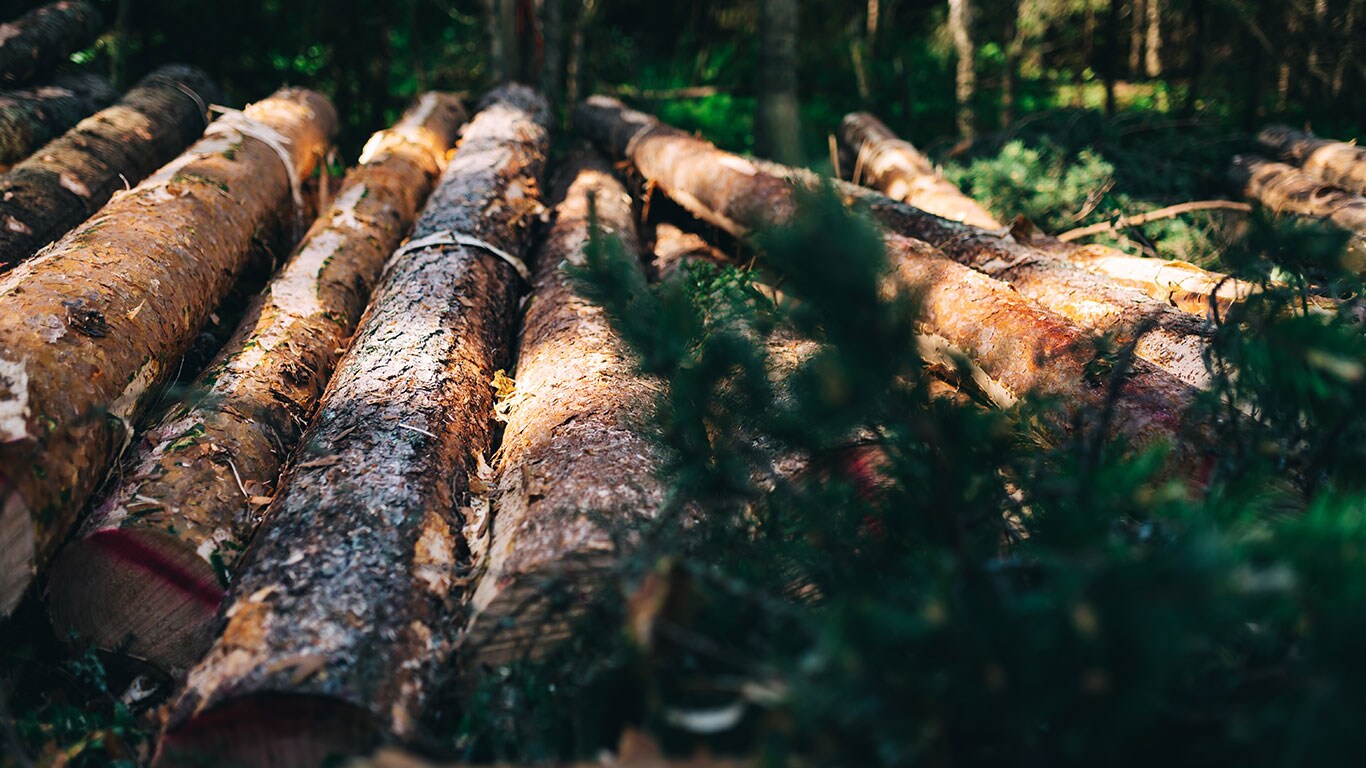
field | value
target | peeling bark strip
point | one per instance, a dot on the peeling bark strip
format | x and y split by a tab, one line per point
44	37
1336	162
738	194
32	117
245	415
875	156
92	328
348	600
577	467
68	180
897	169
1286	189
1021	347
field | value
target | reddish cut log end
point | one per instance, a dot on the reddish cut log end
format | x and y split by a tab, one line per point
270	730
17	547
143	593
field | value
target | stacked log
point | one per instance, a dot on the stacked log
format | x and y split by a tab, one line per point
44	37
1285	189
577	467
32	117
1335	162
92	329
66	181
147	573
898	170
1017	345
347	602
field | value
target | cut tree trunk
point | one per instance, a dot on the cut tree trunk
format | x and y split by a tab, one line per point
1286	189
1020	346
205	469
1336	162
44	37
346	605
91	329
1041	268
65	182
896	168
34	116
578	467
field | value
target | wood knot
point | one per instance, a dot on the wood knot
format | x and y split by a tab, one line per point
89	322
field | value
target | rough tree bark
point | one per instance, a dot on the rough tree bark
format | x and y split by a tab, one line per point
345	607
42	38
1286	189
965	73
898	170
1041	269
1336	162
92	328
776	131
1018	345
577	466
32	117
146	576
66	181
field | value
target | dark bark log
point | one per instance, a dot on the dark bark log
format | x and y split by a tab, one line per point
66	181
898	170
1020	346
92	328
577	464
776	125
205	469
43	38
1286	189
32	117
347	602
1336	162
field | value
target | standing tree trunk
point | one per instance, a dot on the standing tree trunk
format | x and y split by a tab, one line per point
965	75
92	329
1019	346
72	177
776	127
1111	54
31	118
552	74
1010	68
1137	23
1044	269
573	68
345	607
1152	55
578	467
247	411
1336	162
504	56
43	38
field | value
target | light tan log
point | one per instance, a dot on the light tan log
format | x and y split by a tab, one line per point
1286	189
347	603
577	464
148	571
92	329
1021	347
1341	163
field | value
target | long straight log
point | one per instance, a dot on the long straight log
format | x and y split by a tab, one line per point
34	116
66	181
92	329
704	180
148	571
577	465
898	170
1336	162
44	37
1285	189
347	602
1019	346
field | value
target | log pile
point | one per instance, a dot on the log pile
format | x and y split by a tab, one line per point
205	470
33	116
1336	162
65	182
345	608
95	326
1285	189
43	38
